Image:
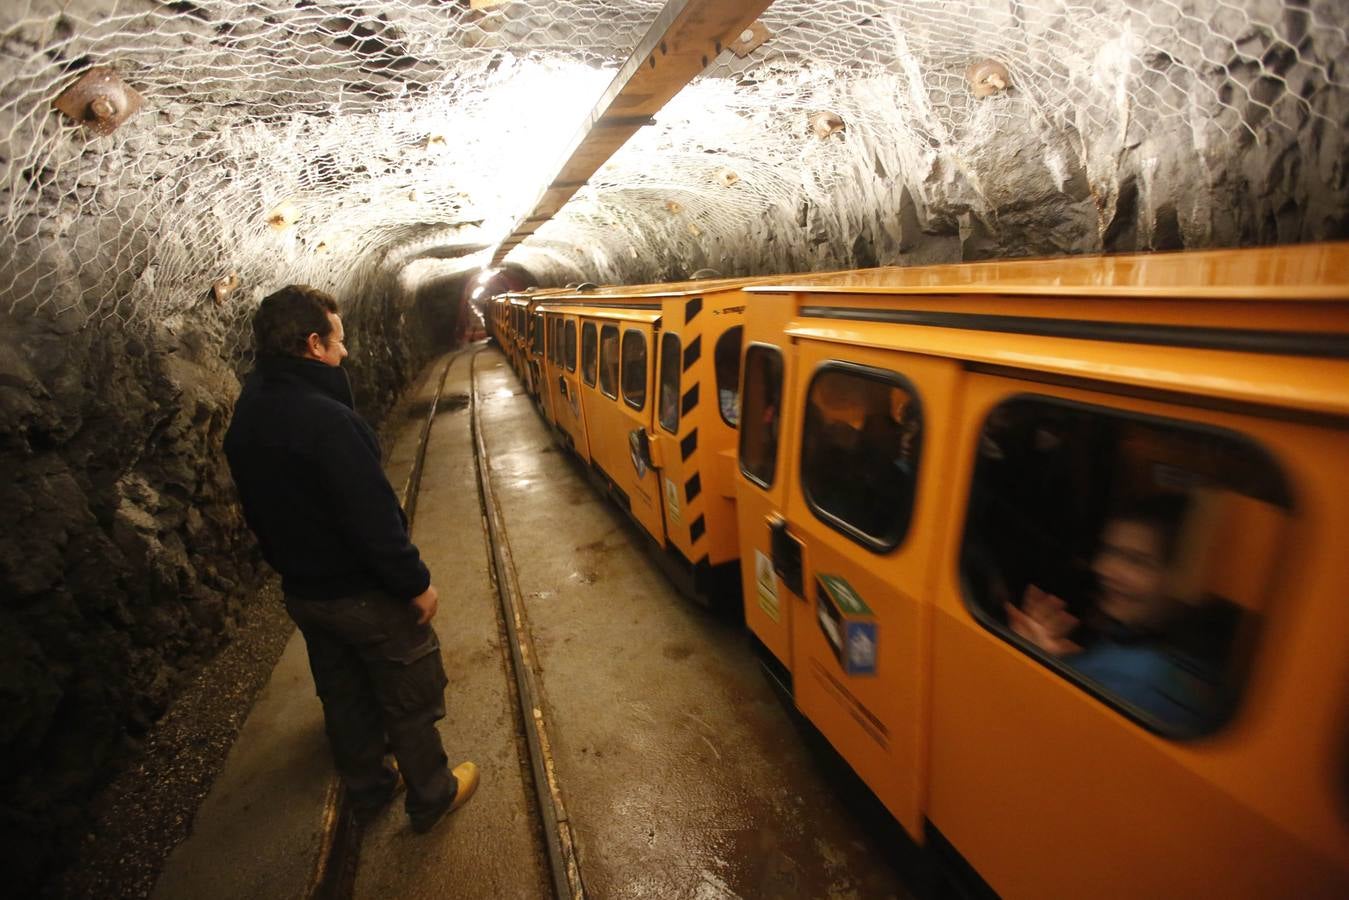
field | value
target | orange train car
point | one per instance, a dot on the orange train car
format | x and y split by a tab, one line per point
642	383
1051	552
500	317
513	329
518	306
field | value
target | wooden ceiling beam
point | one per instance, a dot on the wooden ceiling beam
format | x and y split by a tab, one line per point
681	43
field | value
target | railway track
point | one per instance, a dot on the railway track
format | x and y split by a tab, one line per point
558	838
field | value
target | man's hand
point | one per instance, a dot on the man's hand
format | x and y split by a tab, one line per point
1044	620
425	603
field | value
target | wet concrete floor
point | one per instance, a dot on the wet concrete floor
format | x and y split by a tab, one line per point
683	775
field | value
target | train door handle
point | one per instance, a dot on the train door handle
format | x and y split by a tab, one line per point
655	450
639	449
786	555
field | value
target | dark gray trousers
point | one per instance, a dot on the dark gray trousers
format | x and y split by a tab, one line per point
382	683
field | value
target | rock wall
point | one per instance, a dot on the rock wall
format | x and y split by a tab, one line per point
124	560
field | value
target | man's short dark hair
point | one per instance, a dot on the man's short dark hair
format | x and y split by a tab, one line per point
1165	513
286	319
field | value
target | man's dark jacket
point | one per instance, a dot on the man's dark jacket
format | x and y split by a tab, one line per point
308	471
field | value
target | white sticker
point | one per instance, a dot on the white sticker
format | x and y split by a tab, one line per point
672	499
767	581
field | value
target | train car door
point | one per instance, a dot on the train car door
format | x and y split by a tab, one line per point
556	370
672	434
546	365
770	564
1136	637
695	428
520	347
570	416
860	506
637	475
770	572
536	356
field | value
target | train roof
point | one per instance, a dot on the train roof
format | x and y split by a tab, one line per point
618	312
1295	272
523	297
660	289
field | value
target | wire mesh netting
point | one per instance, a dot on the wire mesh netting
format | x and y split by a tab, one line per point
277	141
979	106
318	141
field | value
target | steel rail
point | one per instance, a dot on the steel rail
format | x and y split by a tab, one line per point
560	845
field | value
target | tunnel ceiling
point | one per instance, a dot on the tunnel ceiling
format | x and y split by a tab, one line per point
316	141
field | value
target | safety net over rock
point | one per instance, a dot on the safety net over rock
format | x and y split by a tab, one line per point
173	158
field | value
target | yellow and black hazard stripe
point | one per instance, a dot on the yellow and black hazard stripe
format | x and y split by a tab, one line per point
691	336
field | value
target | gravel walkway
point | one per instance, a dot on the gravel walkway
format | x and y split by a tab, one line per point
148	809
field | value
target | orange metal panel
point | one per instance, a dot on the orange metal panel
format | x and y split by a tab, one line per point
1309	384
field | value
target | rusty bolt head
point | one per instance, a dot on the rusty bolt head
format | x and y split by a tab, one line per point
99	100
102	108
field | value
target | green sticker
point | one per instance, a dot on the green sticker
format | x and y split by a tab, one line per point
844	597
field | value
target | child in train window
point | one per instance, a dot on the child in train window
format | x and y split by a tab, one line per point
1153	602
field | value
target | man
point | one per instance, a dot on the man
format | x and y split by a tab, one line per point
313	491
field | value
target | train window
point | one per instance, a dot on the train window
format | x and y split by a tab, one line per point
1130	554
634	369
762	409
553	340
538	334
569	345
670	351
609	361
727	362
588	354
859	453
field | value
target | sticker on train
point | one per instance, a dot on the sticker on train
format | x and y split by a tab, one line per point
767	581
847	623
635	453
672	499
